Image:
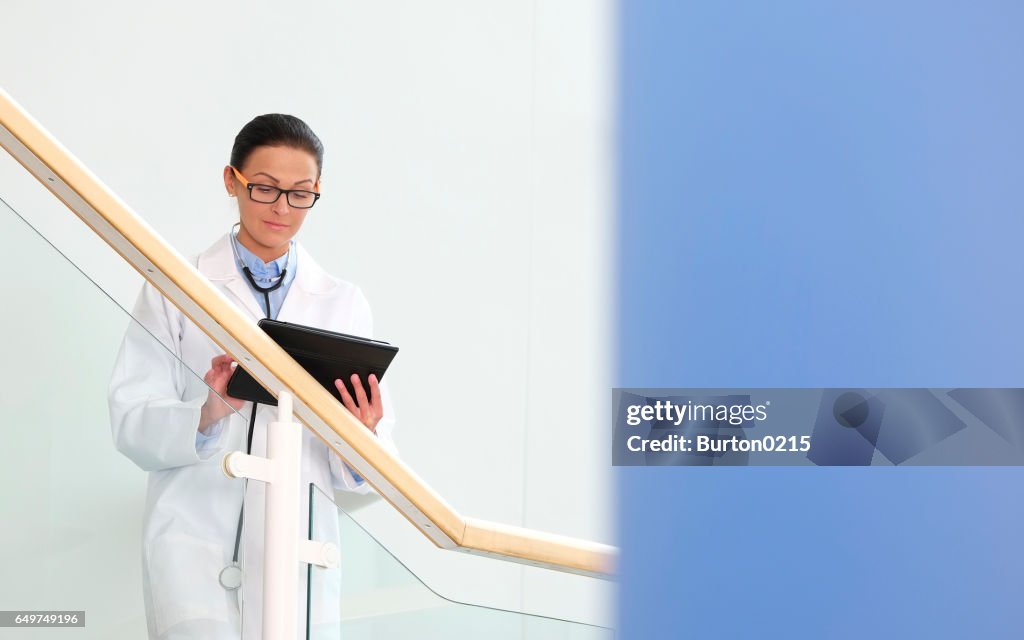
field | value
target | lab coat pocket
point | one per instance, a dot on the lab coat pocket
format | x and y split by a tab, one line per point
183	573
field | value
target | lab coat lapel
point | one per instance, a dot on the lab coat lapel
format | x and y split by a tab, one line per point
311	281
218	265
296	306
243	294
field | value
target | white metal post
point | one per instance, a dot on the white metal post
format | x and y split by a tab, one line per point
285	545
280	568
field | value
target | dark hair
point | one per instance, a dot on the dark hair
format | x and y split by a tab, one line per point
276	130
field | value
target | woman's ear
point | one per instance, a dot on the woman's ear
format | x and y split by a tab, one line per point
229	181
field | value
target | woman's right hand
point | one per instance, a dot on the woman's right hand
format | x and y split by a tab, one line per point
218	403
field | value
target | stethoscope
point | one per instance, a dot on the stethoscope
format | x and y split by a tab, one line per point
248	274
231	575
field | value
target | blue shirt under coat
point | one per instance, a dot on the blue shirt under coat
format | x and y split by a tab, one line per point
266	274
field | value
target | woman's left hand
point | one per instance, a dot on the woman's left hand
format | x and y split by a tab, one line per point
370	410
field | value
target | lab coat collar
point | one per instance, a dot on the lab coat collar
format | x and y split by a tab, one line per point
218	264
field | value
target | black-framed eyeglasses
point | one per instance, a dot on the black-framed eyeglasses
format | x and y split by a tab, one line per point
267	194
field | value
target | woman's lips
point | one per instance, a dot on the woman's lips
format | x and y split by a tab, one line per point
275	226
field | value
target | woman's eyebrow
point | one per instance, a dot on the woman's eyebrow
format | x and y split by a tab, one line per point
265	174
275	179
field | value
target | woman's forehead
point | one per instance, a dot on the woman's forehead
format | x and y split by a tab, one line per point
289	162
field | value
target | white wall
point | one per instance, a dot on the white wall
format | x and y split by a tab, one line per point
467	190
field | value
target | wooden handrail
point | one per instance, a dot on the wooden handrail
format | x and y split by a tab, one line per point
106	214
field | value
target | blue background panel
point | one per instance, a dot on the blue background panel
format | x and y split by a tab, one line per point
820	194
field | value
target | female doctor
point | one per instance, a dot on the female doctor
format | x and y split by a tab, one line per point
202	551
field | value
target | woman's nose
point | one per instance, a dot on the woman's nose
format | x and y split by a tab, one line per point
280	206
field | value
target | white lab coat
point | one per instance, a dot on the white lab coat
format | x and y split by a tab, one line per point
191	510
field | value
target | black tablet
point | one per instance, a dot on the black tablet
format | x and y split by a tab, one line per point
326	355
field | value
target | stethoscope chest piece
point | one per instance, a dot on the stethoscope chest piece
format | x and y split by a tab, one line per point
231	577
